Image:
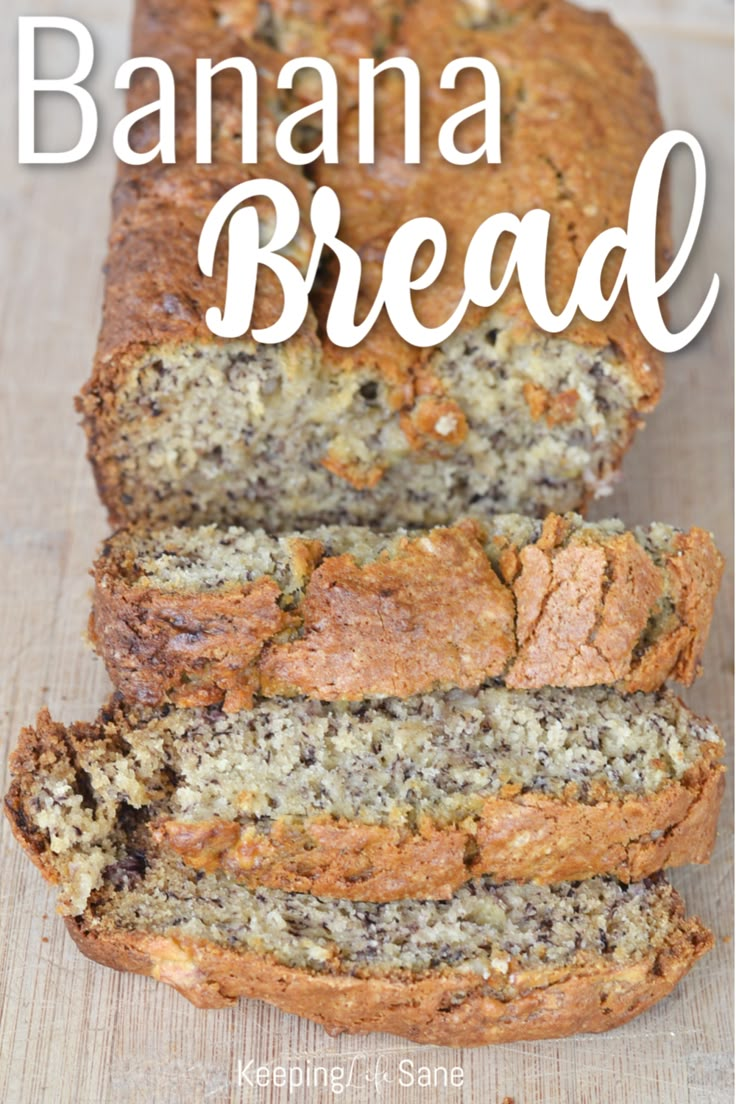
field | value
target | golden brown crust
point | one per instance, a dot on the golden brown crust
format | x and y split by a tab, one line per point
398	626
580	610
39	749
155	291
449	1008
571	609
340	31
327	857
693	571
210	646
515	837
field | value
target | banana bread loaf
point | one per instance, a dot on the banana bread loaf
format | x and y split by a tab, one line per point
198	616
493	964
183	427
381	800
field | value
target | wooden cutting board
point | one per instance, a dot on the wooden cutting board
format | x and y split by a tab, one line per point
74	1032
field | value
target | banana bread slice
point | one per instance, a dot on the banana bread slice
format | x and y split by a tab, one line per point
202	616
185	427
493	964
380	800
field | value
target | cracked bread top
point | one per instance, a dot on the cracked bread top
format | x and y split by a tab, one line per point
202	616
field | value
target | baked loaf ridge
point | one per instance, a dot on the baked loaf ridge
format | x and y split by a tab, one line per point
492	964
384	800
183	427
202	616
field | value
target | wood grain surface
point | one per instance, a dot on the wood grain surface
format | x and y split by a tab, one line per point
74	1032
